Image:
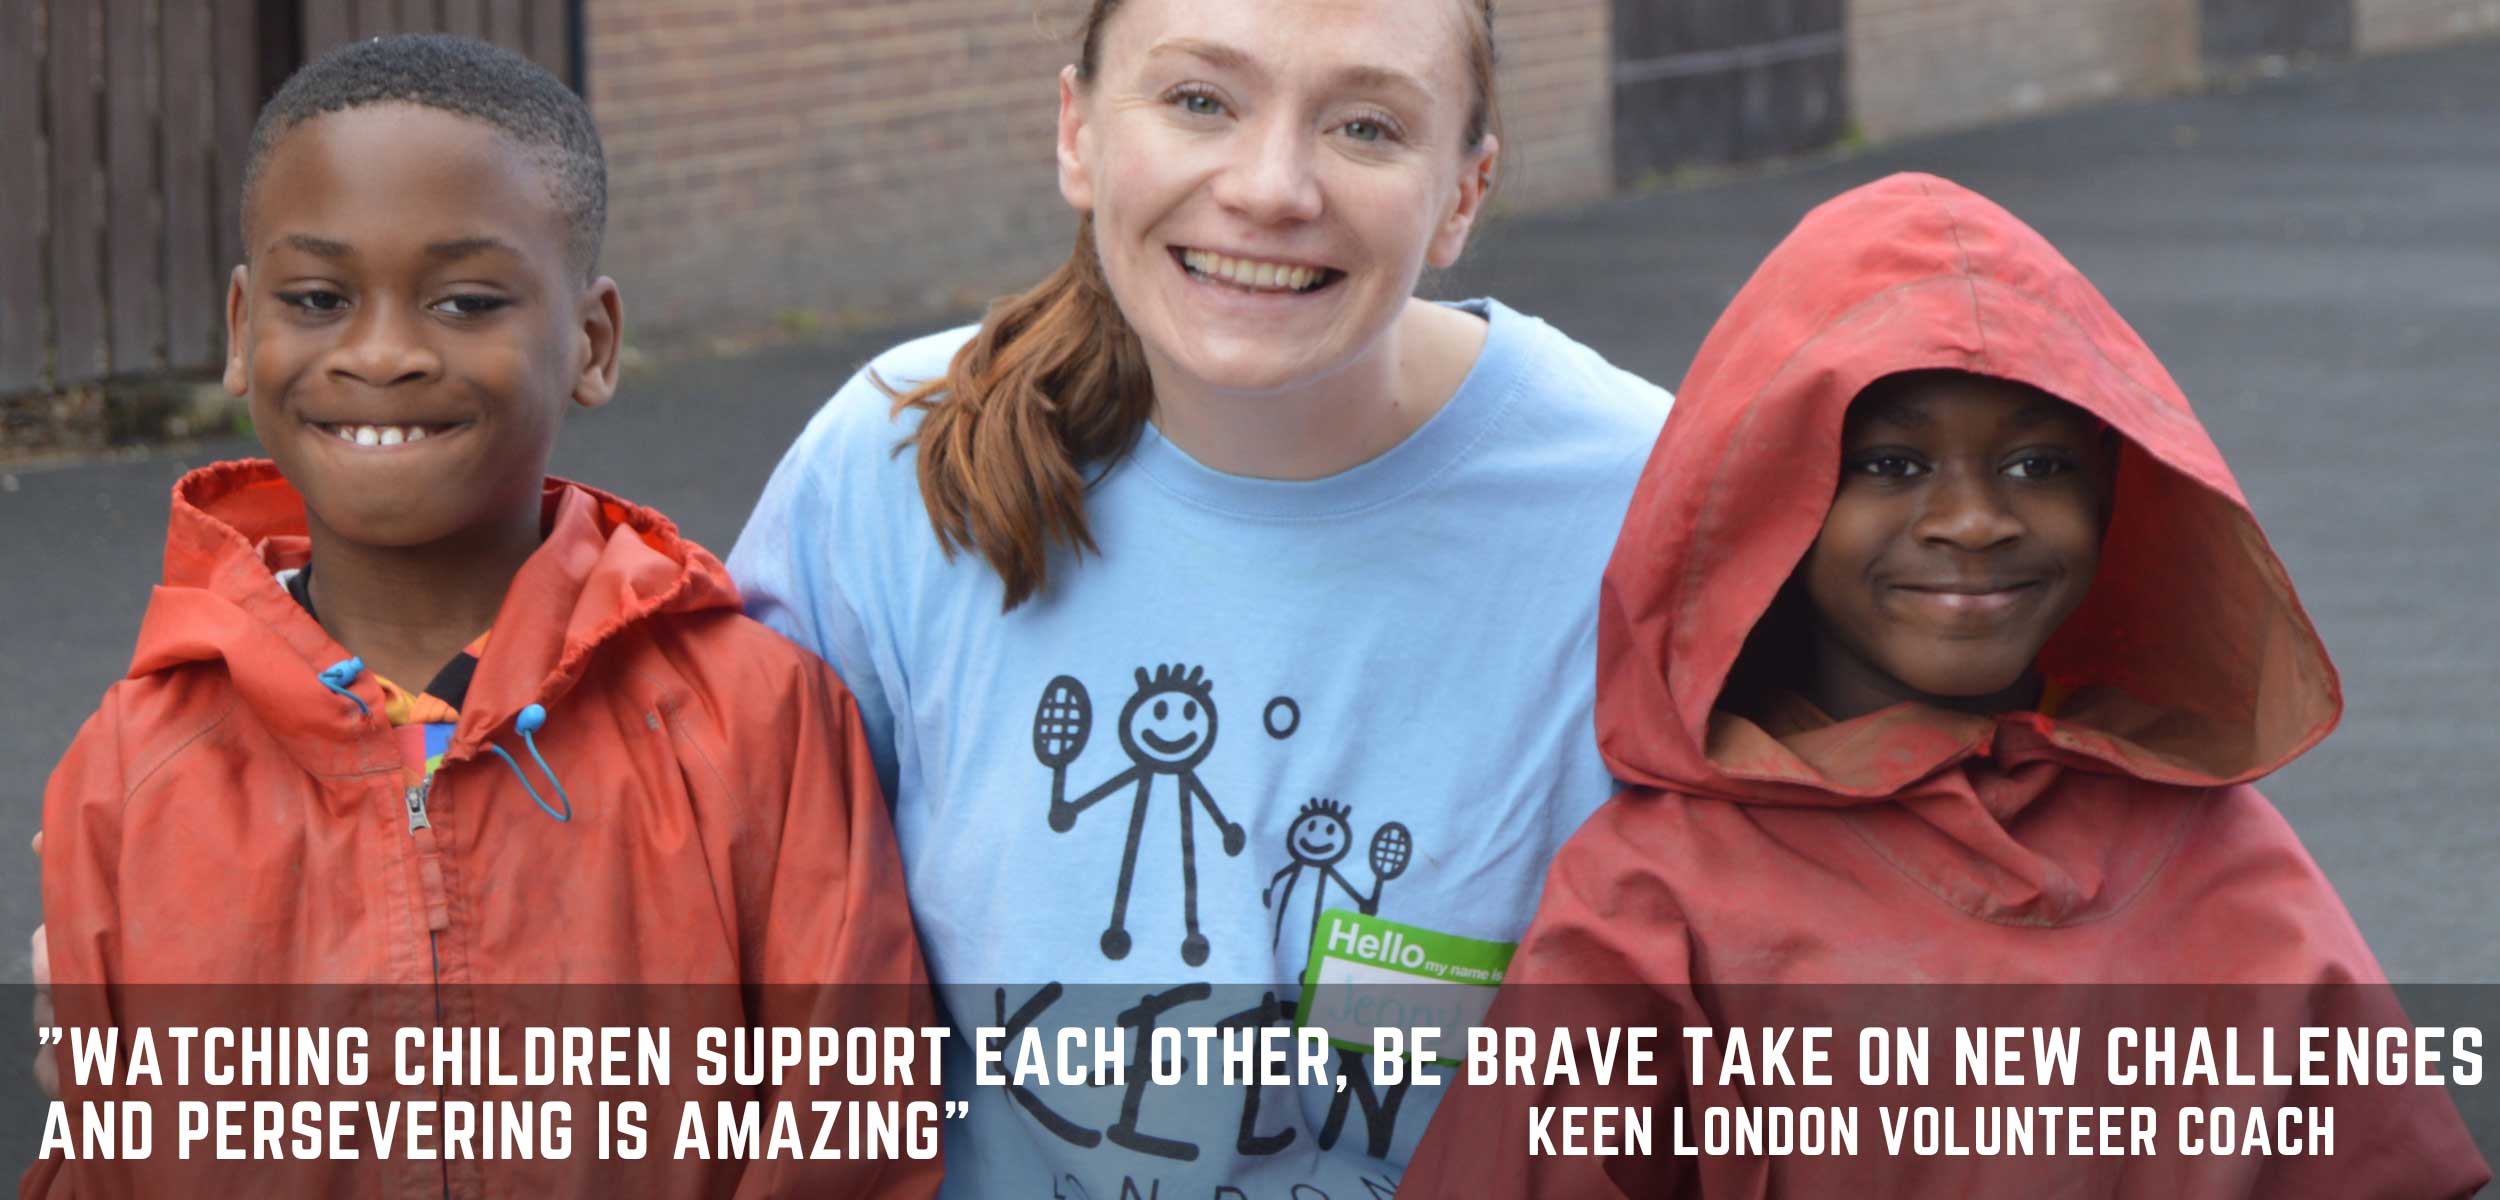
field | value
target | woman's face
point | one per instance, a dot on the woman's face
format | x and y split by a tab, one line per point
1267	181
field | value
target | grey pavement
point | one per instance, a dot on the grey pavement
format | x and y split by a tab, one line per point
2316	258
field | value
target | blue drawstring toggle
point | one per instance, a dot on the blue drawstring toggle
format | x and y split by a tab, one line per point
339	674
531	720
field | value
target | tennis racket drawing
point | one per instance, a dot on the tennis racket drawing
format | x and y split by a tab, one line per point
1061	722
1392	848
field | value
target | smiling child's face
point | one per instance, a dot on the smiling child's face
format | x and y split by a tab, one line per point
1966	527
409	327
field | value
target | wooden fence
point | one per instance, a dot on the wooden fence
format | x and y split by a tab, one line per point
123	125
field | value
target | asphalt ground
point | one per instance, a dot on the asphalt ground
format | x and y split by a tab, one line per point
2315	257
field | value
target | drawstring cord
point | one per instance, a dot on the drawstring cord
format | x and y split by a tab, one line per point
531	720
339	674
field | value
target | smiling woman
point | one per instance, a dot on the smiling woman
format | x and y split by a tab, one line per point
1260	191
1333	548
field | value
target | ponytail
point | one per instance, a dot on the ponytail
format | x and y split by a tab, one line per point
1053	384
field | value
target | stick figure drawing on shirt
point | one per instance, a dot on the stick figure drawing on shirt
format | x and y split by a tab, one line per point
1167	728
1317	841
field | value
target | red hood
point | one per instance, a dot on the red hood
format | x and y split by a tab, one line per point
605	564
2191	659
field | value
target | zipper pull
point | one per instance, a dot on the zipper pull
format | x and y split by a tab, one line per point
429	860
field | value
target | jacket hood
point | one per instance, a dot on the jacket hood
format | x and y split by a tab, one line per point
604	565
2190	662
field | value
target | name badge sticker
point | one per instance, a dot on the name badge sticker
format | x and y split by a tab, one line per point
1368	973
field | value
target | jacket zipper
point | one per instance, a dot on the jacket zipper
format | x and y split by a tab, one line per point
437	905
430	876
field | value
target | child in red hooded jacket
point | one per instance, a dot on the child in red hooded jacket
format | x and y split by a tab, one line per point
408	714
1940	648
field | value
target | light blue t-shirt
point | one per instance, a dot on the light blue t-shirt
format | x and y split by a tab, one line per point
1263	700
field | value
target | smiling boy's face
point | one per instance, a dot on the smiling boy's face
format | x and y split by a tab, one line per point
1966	527
409	328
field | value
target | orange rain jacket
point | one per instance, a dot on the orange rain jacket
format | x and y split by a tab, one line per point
2117	842
226	818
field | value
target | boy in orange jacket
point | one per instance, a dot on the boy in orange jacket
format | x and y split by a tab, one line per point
1940	648
408	712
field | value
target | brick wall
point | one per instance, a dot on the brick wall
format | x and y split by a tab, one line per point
769	157
817	158
1918	65
1557	99
772	156
2381	25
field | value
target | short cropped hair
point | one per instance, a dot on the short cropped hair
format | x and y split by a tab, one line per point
467	78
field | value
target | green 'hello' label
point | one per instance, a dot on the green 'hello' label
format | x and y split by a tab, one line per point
1368	973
